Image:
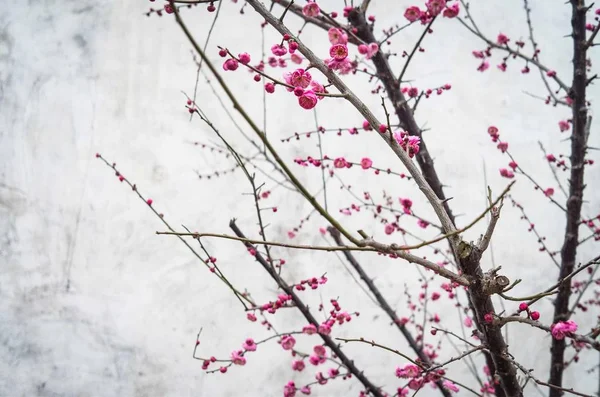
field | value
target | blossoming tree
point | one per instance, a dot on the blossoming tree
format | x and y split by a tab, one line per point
420	232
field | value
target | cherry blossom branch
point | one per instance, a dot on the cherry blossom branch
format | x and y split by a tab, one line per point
528	372
295	181
536	324
475	30
564	280
335	348
385	306
389	349
318	64
415	48
239	295
363	245
576	186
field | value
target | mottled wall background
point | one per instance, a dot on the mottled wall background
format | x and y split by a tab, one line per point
93	303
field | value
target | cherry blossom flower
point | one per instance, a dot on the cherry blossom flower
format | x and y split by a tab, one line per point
563	328
244	58
435	6
298	78
452	11
309	329
389	229
298	365
249	345
502	39
564	125
366	163
311	10
308	100
408	371
507	173
412	13
237	358
339	52
337	36
289	390
368	50
450	386
288	342
278	50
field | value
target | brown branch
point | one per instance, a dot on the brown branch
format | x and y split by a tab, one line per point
576	186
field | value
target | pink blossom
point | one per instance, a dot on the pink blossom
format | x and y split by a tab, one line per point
368	50
238	358
450	386
563	328
298	365
513	165
435	6
502	39
321	378
389	229
251	317
413	145
344	66
468	322
452	11
503	146
289	390
249	345
291	234
412	13
422	224
317	88
484	66
366	163
270	88
278	50
339	52
320	351
324	329
337	36
413	92
311	10
305	390
549	192
507	173
309	329
314	360
340	162
288	342
244	58
298	78
297	59
551	158
230	64
564	125
408	371
308	100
